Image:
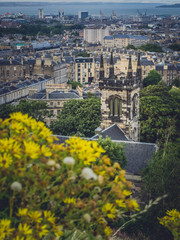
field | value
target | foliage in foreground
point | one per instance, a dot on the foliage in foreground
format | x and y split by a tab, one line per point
48	189
78	117
172	222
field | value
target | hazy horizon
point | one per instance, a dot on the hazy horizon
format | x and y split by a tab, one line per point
103	1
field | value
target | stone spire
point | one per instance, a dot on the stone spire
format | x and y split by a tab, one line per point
139	70
111	69
101	73
129	74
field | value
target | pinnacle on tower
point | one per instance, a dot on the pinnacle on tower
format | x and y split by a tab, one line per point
129	74
111	70
101	74
139	71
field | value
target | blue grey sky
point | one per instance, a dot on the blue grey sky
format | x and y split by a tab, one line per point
118	1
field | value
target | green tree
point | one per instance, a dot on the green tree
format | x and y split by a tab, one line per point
115	151
153	78
6	110
36	109
80	117
151	47
175	46
130	46
159	114
74	84
83	54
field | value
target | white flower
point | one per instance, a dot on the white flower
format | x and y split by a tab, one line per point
58	166
88	173
87	217
16	186
69	160
51	163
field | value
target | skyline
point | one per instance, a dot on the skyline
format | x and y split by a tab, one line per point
105	1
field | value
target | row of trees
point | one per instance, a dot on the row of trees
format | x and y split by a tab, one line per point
39	28
147	47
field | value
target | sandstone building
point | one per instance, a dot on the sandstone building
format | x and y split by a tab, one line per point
120	99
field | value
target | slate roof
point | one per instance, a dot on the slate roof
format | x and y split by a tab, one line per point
114	132
55	95
59	94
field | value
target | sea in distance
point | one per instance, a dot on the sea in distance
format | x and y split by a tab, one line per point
120	9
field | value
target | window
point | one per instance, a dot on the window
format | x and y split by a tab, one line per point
51	103
58	103
115	105
58	112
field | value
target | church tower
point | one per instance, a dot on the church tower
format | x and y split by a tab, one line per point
120	101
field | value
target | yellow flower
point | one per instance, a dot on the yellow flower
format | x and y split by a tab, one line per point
5	229
46	151
49	216
109	210
42	231
106	160
24	229
32	149
70	201
126	192
108	231
58	231
22	212
35	216
5	160
121	203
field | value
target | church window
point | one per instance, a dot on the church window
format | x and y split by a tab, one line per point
111	107
116	107
120	107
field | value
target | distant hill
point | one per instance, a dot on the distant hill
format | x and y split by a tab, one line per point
177	5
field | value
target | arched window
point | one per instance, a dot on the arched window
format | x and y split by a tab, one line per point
115	105
116	101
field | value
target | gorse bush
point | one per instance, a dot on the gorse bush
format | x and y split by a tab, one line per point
49	190
172	222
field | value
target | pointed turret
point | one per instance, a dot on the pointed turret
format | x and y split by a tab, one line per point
139	70
101	74
111	69
129	74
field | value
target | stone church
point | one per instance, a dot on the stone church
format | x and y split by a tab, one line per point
120	99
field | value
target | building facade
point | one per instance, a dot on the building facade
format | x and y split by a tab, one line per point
84	70
120	99
96	34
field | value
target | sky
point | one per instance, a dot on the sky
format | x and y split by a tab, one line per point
119	1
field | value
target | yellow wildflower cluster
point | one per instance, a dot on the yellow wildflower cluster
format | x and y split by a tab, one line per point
34	225
87	151
172	222
72	181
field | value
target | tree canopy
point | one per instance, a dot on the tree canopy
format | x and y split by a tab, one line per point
78	117
153	78
159	114
151	47
36	109
115	151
